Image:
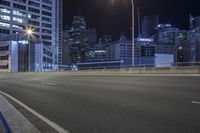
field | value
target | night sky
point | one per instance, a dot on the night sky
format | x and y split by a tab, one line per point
114	16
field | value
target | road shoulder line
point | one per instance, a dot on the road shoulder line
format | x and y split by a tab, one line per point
47	121
196	102
16	122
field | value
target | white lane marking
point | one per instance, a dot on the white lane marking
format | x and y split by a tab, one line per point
49	83
195	102
47	121
34	79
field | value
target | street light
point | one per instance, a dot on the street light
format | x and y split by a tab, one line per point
133	33
179	48
29	33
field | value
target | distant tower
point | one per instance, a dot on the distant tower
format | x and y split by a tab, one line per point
81	40
149	23
79	23
191	21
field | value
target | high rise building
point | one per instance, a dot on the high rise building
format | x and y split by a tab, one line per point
166	34
44	17
81	39
75	42
59	29
66	58
97	52
149	23
79	23
194	22
193	41
165	38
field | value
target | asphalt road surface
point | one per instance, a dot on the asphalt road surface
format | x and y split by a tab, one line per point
110	103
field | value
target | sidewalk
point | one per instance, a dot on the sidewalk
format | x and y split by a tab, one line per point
16	121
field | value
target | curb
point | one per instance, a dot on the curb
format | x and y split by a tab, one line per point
51	124
16	121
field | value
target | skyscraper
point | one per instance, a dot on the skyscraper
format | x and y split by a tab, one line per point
165	39
193	39
66	58
59	29
44	17
166	34
79	23
80	39
194	22
149	23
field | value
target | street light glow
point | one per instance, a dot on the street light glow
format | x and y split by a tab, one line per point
29	31
180	48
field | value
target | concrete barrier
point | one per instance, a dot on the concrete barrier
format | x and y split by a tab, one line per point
145	70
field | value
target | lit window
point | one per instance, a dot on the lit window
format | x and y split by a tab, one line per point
19	20
4	24
4	10
5	17
29	15
18	13
18	27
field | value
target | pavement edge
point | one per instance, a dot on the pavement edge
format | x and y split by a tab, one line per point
15	120
58	128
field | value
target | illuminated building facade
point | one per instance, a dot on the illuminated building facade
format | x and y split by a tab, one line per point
44	17
81	39
20	56
149	23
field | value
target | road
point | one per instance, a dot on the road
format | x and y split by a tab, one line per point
111	103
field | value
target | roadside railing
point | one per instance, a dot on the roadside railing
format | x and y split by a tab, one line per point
169	68
163	68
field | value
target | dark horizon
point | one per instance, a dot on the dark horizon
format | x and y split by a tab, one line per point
114	18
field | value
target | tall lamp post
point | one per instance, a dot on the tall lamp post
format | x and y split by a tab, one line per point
29	33
133	34
177	52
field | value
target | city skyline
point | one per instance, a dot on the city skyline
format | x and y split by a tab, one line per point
161	41
79	66
103	15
